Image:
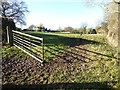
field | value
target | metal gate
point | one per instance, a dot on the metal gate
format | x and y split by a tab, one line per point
33	46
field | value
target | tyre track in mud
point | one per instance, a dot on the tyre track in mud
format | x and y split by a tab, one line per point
26	70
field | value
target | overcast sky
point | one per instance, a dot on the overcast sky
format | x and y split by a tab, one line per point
62	13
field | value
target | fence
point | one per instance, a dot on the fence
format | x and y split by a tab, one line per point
31	45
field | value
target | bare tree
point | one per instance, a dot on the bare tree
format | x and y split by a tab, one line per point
92	3
68	29
14	10
83	27
40	27
32	27
11	12
59	29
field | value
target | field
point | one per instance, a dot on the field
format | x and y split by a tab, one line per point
73	62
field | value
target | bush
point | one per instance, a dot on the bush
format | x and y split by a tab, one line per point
93	32
75	31
18	29
25	30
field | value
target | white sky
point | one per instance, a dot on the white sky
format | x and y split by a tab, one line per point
54	13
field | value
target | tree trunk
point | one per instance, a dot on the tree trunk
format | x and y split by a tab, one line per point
4	31
7	26
113	27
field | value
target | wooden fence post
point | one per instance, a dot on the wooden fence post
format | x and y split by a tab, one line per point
9	36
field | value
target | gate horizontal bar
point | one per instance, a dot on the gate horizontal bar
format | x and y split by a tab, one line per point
28	35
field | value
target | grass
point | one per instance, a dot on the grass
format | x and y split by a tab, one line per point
8	52
55	41
103	68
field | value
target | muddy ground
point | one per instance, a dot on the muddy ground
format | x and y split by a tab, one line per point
65	72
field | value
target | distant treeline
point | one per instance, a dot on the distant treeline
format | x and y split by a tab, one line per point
74	31
82	30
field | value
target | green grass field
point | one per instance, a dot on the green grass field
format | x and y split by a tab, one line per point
59	41
105	64
101	62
